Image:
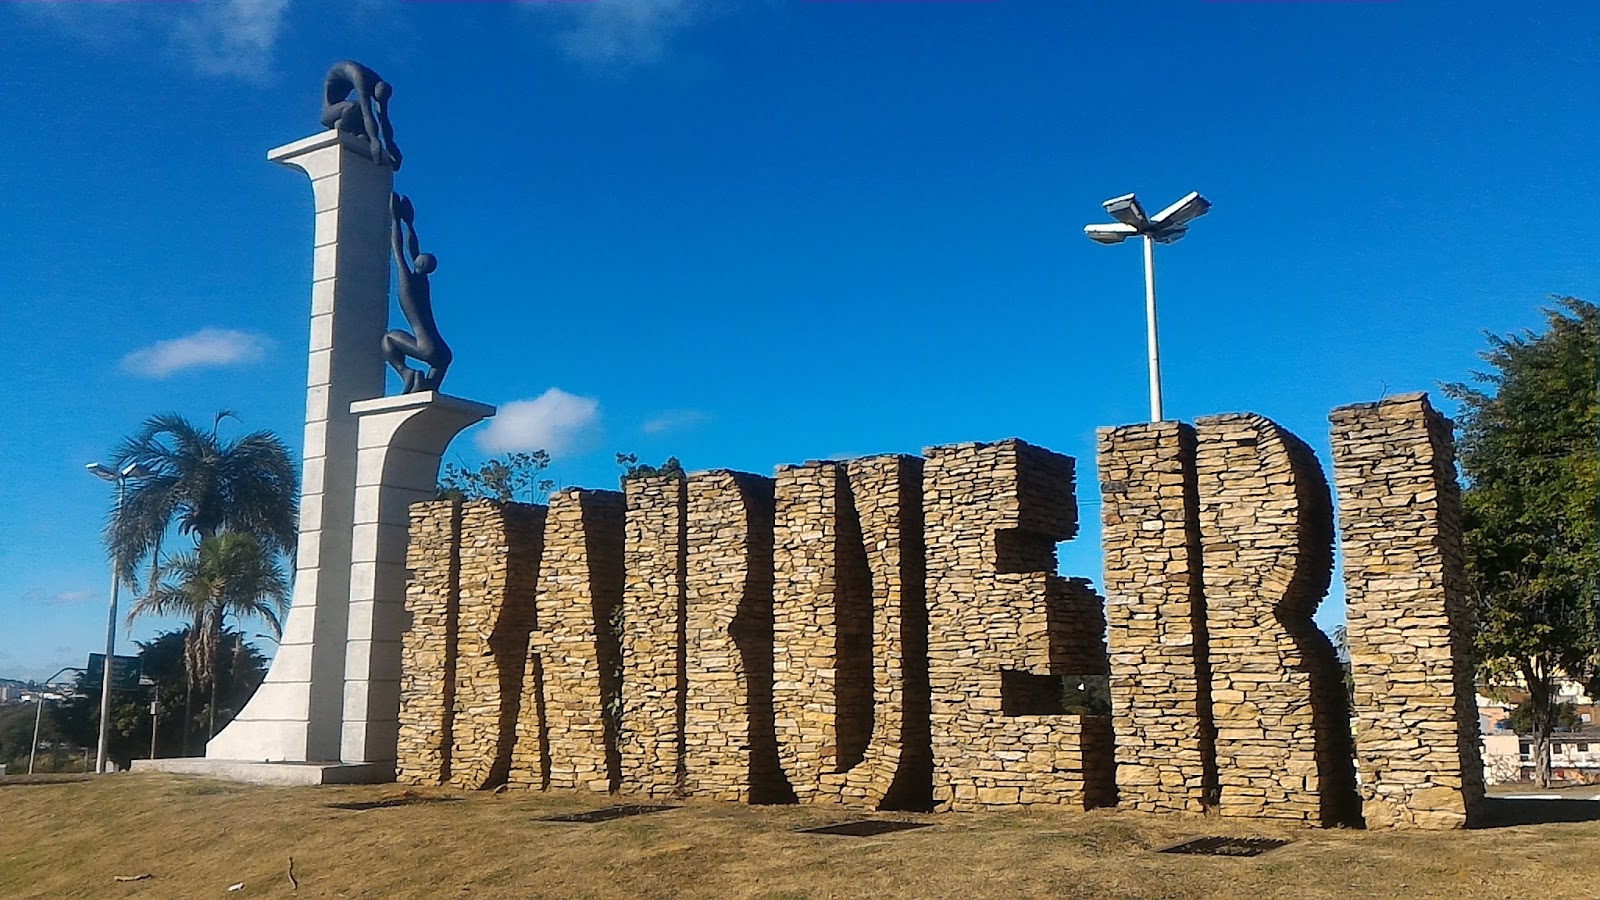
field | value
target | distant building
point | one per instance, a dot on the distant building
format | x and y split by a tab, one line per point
1502	758
1508	756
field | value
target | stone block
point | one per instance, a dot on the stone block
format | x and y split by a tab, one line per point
1409	623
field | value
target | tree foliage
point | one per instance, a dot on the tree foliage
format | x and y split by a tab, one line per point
1528	450
229	574
162	661
632	468
514	477
16	738
202	484
1524	719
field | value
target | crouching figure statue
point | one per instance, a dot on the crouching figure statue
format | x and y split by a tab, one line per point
367	114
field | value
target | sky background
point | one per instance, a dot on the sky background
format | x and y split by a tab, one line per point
754	233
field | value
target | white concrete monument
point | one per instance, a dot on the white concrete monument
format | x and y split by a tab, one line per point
330	702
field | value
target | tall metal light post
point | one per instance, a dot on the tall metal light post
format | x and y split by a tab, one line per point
1164	227
106	473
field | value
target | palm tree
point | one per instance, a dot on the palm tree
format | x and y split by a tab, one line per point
203	485
230	573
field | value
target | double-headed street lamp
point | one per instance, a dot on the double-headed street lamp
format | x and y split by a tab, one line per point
106	473
1164	227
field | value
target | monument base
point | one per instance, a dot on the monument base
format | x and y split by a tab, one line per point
273	773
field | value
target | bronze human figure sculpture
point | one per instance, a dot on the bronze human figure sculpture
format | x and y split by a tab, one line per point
366	114
416	303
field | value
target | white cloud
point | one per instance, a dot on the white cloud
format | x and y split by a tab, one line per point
555	421
621	34
674	420
231	37
206	347
64	598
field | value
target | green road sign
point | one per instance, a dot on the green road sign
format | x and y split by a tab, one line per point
125	671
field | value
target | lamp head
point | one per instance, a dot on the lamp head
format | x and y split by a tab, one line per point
101	472
1109	232
1126	209
1186	210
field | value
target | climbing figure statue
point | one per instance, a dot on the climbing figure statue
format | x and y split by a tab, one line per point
425	345
366	114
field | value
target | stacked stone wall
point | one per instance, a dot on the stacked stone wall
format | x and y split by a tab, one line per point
1004	632
1278	697
891	632
730	746
1409	623
850	656
1160	662
580	594
428	647
498	572
654	669
822	609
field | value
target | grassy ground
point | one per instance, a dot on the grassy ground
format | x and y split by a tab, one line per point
196	838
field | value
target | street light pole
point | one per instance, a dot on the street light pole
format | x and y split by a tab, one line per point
1164	227
111	634
131	470
38	716
1150	327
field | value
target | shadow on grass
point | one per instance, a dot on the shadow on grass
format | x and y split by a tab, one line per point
1501	812
390	802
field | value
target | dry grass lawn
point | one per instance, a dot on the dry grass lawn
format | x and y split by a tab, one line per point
196	838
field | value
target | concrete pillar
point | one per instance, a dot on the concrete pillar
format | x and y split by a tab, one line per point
399	443
296	714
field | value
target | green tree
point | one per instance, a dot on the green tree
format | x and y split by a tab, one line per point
1527	439
229	574
16	737
632	468
162	664
202	484
514	477
1523	719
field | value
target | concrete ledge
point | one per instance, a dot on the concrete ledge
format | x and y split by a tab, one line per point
280	773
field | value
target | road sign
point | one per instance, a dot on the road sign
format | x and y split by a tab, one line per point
125	671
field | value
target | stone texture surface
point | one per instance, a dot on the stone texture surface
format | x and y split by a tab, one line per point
1156	612
1005	632
654	674
580	592
892	632
730	750
850	691
428	648
1409	622
498	574
1278	697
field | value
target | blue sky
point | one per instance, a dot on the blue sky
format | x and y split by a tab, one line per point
751	233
